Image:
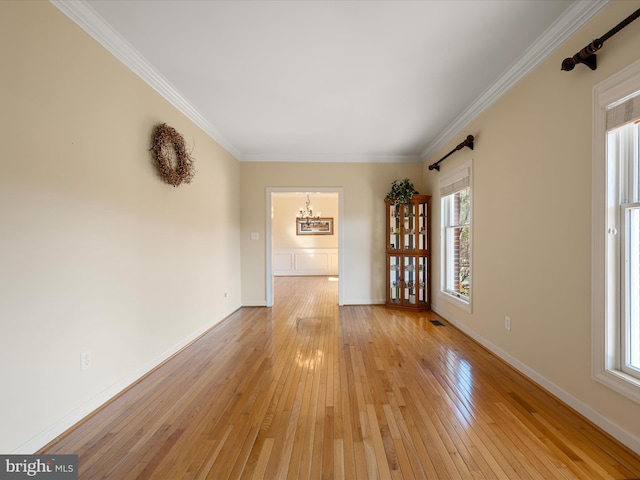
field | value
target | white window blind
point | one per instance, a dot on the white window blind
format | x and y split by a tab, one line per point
457	183
623	112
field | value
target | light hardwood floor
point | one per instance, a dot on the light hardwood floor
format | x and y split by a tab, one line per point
308	390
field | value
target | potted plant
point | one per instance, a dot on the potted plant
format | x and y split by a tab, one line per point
401	192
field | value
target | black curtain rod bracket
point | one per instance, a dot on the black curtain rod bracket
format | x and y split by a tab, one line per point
468	142
588	54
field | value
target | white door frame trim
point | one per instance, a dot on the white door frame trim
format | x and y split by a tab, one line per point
269	236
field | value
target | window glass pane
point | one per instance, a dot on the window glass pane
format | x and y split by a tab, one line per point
449	284
627	153
457	264
632	333
446	210
635	170
464	271
456	208
464	206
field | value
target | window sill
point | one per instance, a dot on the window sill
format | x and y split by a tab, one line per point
457	301
620	382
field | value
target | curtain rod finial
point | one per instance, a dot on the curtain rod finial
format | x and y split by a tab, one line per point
568	64
469	142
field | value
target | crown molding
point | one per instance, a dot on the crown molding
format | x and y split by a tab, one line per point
576	16
86	18
331	158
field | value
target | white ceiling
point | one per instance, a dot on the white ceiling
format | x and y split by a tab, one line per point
331	80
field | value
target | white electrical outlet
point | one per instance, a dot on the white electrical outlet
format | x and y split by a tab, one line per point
507	323
226	294
85	360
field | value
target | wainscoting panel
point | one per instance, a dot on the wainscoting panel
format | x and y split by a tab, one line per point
305	261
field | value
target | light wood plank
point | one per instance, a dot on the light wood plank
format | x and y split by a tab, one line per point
258	473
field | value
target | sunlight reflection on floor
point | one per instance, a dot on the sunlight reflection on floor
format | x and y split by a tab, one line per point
464	400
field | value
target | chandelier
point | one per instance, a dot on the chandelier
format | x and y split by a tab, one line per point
307	212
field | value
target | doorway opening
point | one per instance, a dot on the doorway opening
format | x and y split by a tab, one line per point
298	195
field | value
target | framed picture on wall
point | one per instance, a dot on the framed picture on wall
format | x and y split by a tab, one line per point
322	226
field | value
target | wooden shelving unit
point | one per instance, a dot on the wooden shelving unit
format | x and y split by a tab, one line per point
408	240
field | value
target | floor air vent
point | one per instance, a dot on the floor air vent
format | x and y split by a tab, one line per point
437	323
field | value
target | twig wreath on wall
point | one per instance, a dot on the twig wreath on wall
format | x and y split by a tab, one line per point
172	159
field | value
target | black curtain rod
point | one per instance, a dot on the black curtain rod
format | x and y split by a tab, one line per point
588	54
468	142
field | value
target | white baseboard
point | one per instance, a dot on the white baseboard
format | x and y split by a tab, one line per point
256	303
96	402
613	429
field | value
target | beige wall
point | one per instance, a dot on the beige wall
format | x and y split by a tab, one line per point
362	225
532	223
97	253
285	208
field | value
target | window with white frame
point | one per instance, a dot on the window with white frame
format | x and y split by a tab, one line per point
455	203
616	232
